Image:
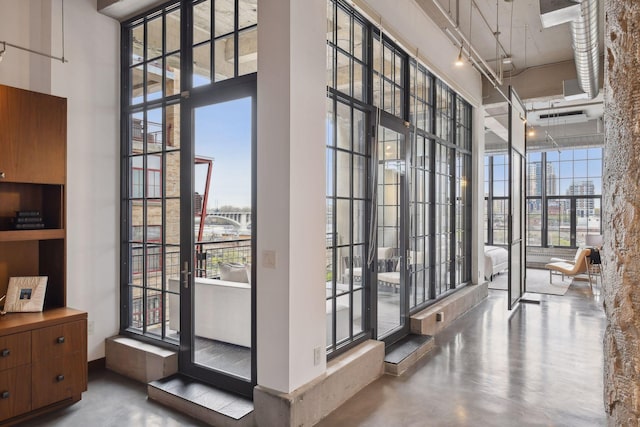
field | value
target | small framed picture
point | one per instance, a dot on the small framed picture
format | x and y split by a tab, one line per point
25	294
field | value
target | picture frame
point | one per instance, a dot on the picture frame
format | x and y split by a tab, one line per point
25	294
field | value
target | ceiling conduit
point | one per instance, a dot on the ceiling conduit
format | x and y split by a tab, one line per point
584	33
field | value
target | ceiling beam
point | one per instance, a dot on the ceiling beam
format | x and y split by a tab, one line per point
544	81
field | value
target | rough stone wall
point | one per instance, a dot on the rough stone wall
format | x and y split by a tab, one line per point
621	192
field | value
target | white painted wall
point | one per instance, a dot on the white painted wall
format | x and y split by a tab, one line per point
90	82
291	192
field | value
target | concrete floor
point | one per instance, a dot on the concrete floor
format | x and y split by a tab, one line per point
539	366
114	401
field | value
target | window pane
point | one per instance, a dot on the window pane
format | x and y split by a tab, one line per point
344	30
172	174
154	80
224	17
172	221
202	65
202	22
248	52
137	132
534	222
344	126
343	174
154	38
343	222
359	177
153	130
172	120
172	82
137	44
247	13
224	58
137	84
172	23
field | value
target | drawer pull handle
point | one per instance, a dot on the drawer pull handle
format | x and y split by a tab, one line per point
2	175
60	378
5	353
5	395
60	340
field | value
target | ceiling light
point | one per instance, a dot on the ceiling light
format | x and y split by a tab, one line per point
507	60
532	132
460	61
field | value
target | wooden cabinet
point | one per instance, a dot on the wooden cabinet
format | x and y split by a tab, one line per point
32	178
43	362
15	392
34	131
43	356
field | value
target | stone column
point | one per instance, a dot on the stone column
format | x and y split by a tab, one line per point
621	204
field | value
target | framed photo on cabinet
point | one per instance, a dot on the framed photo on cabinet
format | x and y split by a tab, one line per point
25	294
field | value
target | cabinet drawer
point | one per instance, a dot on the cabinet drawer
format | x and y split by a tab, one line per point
59	340
58	378
15	350
15	392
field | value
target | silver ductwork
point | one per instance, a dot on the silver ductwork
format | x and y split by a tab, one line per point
583	18
584	33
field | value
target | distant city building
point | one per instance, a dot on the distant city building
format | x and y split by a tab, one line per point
584	207
535	176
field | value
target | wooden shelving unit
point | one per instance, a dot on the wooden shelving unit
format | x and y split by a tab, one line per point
43	356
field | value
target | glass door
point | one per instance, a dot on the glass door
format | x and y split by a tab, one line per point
391	197
217	340
517	262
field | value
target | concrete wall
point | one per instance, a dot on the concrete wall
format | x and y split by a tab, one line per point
90	82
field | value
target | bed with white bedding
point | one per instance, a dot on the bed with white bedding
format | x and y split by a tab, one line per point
496	260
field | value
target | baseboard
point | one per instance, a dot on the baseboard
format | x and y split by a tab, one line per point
97	364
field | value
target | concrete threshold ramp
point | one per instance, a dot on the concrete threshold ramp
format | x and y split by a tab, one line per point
202	401
403	354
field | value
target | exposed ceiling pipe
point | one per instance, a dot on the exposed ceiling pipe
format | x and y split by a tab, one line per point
584	32
487	69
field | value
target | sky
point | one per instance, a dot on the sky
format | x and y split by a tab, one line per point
223	132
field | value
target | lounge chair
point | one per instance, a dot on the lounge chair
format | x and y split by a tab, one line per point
571	268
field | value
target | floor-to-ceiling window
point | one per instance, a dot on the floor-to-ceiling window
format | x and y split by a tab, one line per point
418	216
200	47
347	158
463	134
563	196
420	181
151	161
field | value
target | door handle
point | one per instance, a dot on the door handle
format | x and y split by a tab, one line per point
185	275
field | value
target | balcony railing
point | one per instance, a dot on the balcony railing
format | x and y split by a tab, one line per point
209	255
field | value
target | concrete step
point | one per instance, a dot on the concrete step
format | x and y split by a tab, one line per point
202	401
406	352
138	360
